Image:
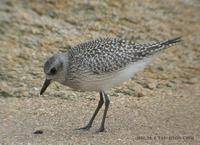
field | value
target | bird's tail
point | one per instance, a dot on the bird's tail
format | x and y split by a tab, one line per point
153	48
170	42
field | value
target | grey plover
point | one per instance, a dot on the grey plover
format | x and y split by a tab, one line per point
99	65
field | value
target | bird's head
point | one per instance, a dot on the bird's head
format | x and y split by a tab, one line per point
54	69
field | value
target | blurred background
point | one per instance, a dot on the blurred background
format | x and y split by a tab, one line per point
163	99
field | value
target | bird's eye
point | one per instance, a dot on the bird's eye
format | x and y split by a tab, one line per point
53	71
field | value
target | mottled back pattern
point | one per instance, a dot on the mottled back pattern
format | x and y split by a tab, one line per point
106	55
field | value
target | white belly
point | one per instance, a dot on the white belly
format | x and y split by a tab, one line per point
110	80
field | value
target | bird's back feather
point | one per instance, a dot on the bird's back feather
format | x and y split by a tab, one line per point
106	55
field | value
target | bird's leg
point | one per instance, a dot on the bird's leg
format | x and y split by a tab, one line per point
89	125
107	102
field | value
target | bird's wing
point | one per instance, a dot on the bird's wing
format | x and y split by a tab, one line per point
112	54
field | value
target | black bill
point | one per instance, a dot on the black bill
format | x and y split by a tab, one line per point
45	85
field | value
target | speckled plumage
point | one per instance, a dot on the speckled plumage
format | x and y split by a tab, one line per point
102	58
99	65
111	54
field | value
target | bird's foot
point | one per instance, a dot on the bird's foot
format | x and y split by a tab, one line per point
101	129
85	128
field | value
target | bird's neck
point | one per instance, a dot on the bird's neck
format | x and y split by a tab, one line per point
64	60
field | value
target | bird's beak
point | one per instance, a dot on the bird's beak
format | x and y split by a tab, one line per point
45	85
